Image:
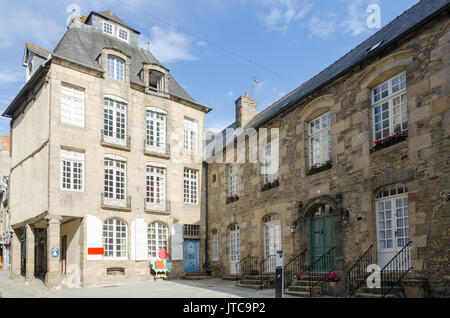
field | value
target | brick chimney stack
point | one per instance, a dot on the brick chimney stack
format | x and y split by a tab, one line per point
5	142
246	109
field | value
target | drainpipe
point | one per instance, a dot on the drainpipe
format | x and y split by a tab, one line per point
446	195
205	166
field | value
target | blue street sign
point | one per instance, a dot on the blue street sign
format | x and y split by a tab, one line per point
54	251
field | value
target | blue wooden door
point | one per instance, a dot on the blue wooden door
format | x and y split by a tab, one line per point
321	231
191	256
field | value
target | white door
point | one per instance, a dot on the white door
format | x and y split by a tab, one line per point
272	244
392	226
235	249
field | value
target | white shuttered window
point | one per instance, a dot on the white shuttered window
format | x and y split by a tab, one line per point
72	105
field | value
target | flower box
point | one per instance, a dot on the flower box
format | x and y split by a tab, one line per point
389	141
271	184
232	198
316	168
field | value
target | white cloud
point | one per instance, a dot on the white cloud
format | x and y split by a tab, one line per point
356	20
231	94
168	45
283	12
7	76
322	28
218	126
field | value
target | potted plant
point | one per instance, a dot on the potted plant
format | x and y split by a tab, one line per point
332	281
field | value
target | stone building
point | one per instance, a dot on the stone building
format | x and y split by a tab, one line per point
363	158
105	160
5	237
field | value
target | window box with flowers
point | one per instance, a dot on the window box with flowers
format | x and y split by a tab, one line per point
271	184
316	168
232	198
332	281
389	140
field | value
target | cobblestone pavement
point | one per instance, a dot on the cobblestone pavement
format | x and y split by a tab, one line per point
208	288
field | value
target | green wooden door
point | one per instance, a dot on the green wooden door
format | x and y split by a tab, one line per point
322	233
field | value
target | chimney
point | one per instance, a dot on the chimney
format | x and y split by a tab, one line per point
246	109
5	142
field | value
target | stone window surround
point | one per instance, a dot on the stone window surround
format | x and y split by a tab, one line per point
127	249
147	67
168	235
103	61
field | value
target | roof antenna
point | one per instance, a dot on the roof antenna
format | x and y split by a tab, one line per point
148	45
254	83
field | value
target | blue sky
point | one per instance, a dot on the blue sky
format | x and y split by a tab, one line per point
212	47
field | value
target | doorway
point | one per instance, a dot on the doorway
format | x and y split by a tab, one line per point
191	256
235	248
321	236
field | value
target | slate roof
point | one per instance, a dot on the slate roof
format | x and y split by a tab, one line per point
37	50
411	19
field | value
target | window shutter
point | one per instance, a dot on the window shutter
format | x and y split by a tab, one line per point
177	241
139	250
93	236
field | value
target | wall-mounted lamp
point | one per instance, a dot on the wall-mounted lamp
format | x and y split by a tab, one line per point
345	216
293	227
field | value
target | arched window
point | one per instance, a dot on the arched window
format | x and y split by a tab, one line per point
392	215
155	133
115	238
116	68
158	236
319	140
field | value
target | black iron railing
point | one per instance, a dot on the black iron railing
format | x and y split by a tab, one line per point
320	268
394	271
295	268
357	274
268	266
247	266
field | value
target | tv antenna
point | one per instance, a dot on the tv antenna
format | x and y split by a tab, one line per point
254	86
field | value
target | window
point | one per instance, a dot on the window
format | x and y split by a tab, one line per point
232	179
156	189
390	110
123	34
393	217
115	114
156	80
320	140
72	170
107	28
115	238
115	183
190	135
116	68
191	230
72	105
215	246
158	236
155	140
190	186
267	164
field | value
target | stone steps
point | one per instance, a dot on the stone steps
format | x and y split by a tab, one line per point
229	277
195	276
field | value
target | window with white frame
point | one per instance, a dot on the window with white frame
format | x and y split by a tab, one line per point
158	238
116	68
72	170
215	245
268	166
191	230
190	186
115	183
123	34
155	137
319	140
115	239
156	80
233	179
108	28
190	135
72	105
115	121
155	189
390	110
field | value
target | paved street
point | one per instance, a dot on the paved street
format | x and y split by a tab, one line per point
209	288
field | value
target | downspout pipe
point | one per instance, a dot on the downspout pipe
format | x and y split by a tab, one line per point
446	195
205	166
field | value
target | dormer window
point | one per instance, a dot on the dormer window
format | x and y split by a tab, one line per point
108	28
116	68
156	80
123	34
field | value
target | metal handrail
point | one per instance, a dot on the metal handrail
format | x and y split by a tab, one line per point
392	272
357	274
162	150
299	263
268	260
314	278
115	138
245	266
